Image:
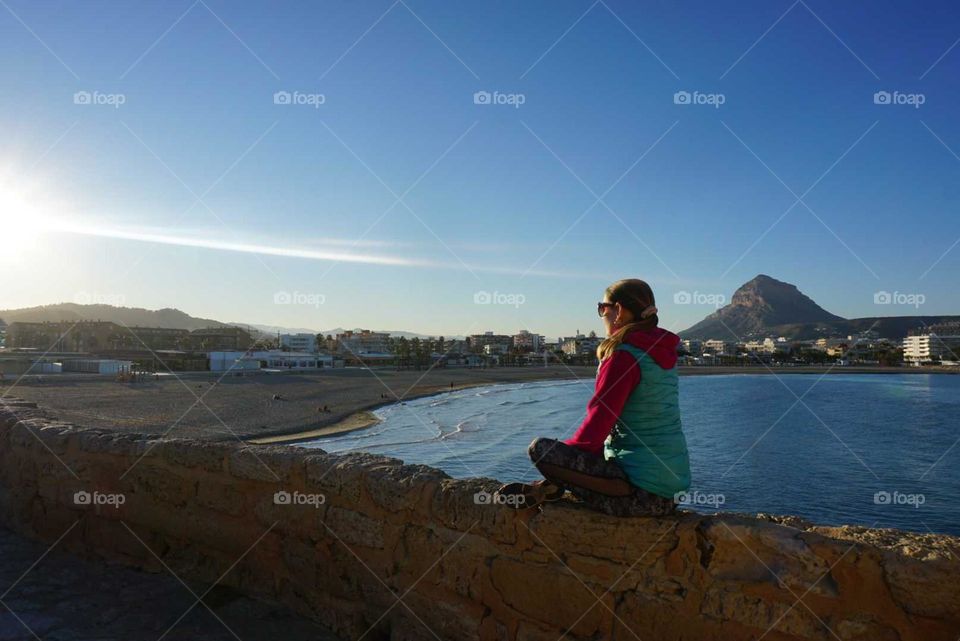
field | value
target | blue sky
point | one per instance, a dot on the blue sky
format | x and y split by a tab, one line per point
399	202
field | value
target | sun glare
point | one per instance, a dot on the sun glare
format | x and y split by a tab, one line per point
21	222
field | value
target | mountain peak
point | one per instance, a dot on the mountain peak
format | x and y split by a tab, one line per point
758	305
772	290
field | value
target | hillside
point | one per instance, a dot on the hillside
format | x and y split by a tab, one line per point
167	317
131	316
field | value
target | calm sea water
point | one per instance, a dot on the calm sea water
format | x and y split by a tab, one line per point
875	450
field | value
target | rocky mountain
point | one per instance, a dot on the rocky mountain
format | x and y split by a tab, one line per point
758	304
765	306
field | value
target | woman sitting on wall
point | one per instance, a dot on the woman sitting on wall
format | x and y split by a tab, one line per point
629	457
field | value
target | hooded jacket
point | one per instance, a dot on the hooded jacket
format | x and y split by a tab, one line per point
617	377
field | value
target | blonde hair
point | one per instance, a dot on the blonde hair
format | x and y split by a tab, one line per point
636	296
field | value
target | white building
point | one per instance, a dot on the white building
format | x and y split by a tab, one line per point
97	366
766	346
272	359
527	341
298	342
930	348
45	367
580	344
718	347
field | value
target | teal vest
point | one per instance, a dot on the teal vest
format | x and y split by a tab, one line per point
647	440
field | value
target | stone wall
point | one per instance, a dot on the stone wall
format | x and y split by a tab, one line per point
401	552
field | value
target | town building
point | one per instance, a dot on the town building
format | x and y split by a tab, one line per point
501	342
692	347
219	339
300	342
766	346
97	337
91	337
239	361
96	366
525	341
929	347
716	347
362	343
580	344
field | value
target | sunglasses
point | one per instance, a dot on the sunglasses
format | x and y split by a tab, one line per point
602	307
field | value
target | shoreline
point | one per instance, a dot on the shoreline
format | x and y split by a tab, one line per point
365	417
354	422
255	408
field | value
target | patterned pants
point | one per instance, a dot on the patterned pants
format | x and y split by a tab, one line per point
639	503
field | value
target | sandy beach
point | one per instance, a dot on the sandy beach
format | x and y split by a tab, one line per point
280	407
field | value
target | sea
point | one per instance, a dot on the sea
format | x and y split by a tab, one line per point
879	450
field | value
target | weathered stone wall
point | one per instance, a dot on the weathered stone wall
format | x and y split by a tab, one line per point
404	552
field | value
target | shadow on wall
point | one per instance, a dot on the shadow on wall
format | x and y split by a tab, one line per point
369	546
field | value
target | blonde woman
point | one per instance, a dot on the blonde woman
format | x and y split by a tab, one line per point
629	456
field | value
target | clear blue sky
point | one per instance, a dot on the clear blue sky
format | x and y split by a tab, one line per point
502	198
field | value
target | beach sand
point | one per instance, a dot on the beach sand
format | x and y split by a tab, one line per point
353	422
265	407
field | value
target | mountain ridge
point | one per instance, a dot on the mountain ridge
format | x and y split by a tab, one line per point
167	317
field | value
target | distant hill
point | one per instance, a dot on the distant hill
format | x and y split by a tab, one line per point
169	318
130	316
271	330
765	306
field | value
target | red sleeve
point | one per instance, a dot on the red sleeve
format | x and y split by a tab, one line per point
617	377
